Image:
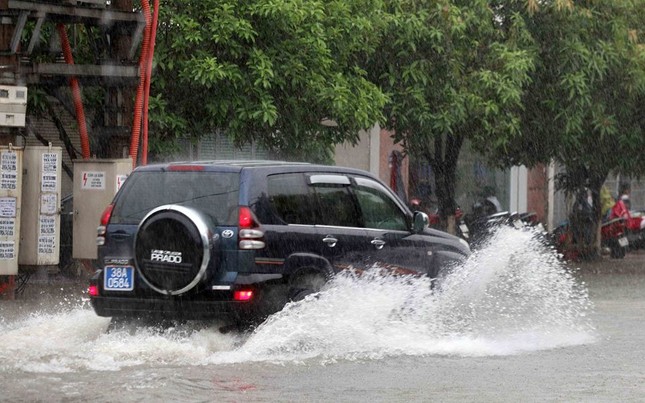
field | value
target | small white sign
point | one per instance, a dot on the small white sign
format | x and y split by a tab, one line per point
50	162
9	161
47	225
7	250
7	227
46	245
9	180
119	181
7	206
93	180
48	203
48	182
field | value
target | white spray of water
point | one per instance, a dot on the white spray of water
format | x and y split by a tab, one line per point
512	296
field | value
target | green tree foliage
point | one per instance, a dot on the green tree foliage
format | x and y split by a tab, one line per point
451	73
266	70
584	106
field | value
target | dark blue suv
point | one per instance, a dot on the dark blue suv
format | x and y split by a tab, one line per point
240	239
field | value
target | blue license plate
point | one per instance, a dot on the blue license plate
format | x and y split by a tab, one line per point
118	278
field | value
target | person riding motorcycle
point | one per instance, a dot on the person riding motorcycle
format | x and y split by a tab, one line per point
622	210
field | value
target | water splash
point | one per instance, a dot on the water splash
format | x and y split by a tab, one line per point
512	296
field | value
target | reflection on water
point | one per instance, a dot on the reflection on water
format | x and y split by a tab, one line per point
511	297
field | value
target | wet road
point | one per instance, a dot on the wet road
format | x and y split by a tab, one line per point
491	336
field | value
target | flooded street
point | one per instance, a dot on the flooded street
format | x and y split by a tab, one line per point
509	325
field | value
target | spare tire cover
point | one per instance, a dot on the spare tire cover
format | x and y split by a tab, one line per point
173	247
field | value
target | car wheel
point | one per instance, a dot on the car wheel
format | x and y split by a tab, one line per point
617	251
305	285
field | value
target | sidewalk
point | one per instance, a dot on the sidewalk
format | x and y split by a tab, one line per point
38	283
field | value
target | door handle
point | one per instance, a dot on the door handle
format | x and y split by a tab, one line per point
378	243
120	235
330	241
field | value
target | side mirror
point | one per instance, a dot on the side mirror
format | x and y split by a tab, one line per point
420	221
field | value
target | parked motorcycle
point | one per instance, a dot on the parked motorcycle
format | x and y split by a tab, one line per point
476	226
573	238
482	226
633	223
634	234
613	236
483	221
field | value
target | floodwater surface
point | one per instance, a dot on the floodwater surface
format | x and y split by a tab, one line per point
513	322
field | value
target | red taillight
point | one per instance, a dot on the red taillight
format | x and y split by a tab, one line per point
243	295
107	213
246	218
102	228
93	290
250	235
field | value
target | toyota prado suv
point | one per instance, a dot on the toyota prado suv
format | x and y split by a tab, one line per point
239	239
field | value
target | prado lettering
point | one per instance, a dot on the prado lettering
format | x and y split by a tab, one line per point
165	256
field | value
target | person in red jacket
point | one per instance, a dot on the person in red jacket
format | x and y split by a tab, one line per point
621	209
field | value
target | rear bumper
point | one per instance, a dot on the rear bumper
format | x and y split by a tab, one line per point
175	308
205	304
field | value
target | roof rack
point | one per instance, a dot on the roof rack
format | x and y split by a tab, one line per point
240	162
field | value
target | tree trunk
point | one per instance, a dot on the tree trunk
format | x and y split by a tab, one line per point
444	166
586	221
596	180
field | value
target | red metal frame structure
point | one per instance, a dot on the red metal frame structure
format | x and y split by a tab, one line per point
115	18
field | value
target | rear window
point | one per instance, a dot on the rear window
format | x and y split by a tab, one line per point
214	193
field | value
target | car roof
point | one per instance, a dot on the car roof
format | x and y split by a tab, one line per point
239	165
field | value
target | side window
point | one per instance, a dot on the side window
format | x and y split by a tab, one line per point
377	207
289	198
336	205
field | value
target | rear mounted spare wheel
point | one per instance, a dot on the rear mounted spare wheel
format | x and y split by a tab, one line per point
173	247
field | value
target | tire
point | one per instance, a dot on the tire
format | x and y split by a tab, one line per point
306	285
616	251
272	299
300	294
173	248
